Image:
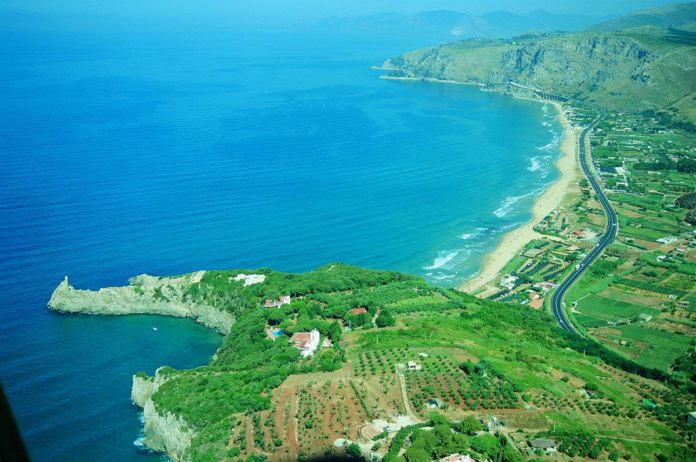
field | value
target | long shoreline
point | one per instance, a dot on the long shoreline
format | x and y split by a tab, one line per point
515	240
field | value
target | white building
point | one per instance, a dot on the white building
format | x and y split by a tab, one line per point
250	279
306	342
283	300
457	458
508	281
413	366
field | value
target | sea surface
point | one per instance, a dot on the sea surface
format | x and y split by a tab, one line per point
168	154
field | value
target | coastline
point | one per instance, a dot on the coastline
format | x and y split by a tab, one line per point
513	241
428	79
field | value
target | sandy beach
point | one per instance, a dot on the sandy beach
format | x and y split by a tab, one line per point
516	239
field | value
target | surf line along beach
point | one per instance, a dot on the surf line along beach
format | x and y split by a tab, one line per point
513	241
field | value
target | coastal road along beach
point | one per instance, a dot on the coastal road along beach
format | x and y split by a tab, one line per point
604	241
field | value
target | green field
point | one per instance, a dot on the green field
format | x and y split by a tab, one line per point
649	287
605	309
661	348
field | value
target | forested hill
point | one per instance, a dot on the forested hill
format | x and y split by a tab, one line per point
645	68
316	363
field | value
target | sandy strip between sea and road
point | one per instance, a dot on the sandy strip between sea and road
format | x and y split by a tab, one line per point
513	241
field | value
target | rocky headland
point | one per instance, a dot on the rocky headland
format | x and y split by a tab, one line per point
144	295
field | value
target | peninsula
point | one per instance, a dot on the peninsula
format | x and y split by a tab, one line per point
391	349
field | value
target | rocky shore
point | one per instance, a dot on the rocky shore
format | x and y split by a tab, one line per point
145	295
164	431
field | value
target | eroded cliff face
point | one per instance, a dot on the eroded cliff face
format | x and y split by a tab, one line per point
164	431
145	295
563	64
618	72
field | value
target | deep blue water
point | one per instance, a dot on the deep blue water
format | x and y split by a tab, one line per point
173	154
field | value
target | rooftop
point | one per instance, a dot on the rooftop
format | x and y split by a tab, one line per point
542	443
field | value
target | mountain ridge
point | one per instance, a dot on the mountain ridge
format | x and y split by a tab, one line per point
641	69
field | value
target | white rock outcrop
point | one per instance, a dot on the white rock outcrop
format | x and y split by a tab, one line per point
164	431
145	295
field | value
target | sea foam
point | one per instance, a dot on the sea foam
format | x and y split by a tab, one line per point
441	261
507	204
535	164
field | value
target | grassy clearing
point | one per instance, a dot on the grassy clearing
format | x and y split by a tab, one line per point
610	309
661	348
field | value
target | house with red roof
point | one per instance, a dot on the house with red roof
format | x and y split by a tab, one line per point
357	311
284	300
306	342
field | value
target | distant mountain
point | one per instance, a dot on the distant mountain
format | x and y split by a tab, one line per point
450	25
648	66
673	15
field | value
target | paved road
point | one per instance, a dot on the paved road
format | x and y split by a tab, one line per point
604	240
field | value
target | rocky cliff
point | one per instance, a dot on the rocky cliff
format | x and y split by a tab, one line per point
637	71
145	295
164	431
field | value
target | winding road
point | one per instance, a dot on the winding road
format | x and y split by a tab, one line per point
603	242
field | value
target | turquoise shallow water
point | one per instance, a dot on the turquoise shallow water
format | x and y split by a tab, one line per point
172	154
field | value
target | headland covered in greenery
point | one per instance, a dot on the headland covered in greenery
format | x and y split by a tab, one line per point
391	350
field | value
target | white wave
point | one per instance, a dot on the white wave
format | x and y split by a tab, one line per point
441	261
547	146
482	229
466	236
505	228
551	145
535	164
443	276
507	204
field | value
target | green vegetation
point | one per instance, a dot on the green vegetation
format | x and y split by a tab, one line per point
579	444
443	438
260	398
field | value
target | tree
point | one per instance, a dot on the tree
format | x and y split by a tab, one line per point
417	455
423	439
571	257
335	331
275	317
687	201
686	165
591	386
470	425
486	444
385	319
437	419
468	367
510	454
443	433
354	450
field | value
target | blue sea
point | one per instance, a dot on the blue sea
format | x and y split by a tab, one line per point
173	153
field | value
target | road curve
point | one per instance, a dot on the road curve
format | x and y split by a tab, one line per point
603	242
